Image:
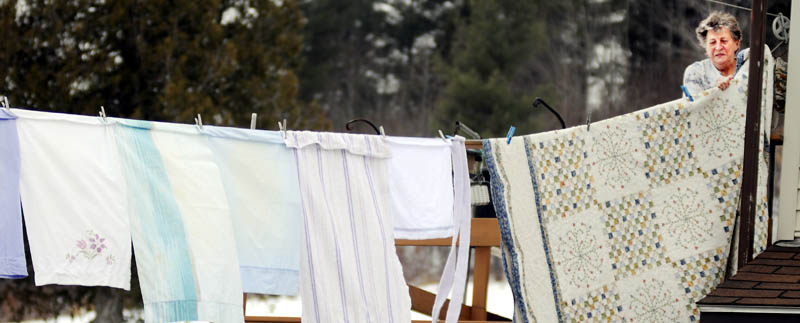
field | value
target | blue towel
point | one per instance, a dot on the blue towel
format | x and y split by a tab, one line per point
12	252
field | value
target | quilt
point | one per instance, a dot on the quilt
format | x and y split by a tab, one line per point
631	218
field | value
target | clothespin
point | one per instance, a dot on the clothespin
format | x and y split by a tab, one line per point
199	121
688	95
6	106
510	134
103	113
588	120
383	133
282	128
441	134
253	120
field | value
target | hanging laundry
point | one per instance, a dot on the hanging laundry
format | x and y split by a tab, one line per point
260	178
421	187
454	275
73	196
349	267
181	228
631	220
12	249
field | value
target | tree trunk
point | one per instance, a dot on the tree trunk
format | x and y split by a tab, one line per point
108	305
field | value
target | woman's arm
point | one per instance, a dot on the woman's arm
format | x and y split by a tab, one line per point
694	78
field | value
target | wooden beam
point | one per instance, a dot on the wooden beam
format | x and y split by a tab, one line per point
747	205
485	233
480	282
473	144
422	301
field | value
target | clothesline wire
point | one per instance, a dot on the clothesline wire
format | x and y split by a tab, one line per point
738	7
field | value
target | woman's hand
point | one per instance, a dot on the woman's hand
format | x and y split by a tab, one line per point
724	82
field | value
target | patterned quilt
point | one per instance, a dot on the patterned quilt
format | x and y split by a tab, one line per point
630	219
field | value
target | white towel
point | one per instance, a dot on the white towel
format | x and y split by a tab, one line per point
182	232
349	268
73	199
422	187
260	178
12	250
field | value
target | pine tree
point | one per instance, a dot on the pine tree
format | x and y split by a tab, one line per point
157	60
488	68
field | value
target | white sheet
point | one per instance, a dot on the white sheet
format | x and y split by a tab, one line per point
73	196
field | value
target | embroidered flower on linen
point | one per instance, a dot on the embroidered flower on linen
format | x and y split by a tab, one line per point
616	162
688	219
720	128
580	255
653	303
90	247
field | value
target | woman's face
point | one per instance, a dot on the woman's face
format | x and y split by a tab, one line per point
721	48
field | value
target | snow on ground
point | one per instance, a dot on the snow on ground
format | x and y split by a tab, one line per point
499	302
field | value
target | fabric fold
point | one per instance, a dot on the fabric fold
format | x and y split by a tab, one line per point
73	195
260	178
12	248
349	267
372	146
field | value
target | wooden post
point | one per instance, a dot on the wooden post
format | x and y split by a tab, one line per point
480	282
244	304
747	205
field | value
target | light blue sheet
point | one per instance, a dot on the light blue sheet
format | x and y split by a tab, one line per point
260	178
12	252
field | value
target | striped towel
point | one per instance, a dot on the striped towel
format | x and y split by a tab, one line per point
349	268
12	252
630	220
73	195
260	178
180	224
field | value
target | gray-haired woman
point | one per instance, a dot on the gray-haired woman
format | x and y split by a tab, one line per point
720	35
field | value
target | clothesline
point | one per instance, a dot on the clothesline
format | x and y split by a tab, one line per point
168	187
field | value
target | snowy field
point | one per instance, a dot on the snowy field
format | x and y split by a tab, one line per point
500	302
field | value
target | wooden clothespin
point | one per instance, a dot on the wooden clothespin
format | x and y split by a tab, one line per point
199	121
103	113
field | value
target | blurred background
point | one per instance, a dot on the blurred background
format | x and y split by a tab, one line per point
412	66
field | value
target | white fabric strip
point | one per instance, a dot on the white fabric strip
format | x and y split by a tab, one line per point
454	279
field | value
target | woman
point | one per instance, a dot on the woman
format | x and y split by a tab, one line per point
720	35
